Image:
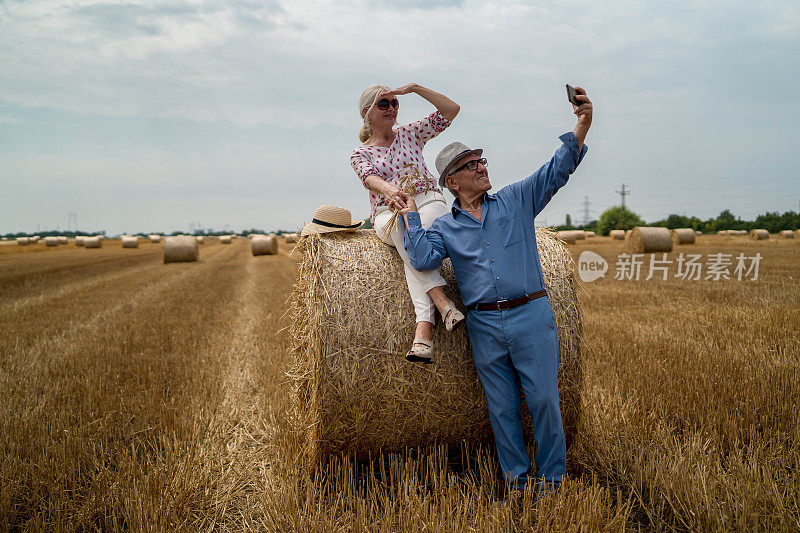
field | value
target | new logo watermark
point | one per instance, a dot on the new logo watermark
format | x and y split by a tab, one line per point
689	267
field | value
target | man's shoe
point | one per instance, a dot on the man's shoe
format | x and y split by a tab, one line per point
513	500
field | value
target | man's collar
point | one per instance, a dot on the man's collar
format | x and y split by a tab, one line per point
456	208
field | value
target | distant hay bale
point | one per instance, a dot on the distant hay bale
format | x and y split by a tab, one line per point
200	239
129	241
62	239
698	232
92	242
22	241
567	237
646	239
225	239
51	241
617	234
180	249
264	245
722	232
759	234
79	240
683	236
590	234
787	234
154	238
351	323
290	237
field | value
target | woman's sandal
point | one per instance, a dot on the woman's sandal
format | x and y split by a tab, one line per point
452	316
421	351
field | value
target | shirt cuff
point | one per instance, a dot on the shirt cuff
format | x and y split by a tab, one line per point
413	219
569	140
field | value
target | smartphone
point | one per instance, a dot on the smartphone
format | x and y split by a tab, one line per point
571	92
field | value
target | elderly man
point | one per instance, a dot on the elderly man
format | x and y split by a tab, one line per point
491	242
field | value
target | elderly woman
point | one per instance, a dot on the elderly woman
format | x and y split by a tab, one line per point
389	163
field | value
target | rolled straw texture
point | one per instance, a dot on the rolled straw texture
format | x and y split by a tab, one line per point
225	239
129	241
22	241
51	241
180	249
79	240
92	242
567	236
683	236
62	239
759	234
590	234
264	245
627	234
787	234
617	234
352	323
645	239
154	238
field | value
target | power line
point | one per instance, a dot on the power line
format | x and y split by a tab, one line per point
586	211
623	193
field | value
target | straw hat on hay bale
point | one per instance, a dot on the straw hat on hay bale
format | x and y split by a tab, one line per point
330	219
683	236
353	390
645	239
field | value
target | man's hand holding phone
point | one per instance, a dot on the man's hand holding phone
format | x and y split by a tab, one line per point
582	107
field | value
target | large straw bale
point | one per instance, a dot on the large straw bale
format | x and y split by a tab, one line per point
92	242
154	238
646	239
759	234
787	234
683	236
352	321
51	241
129	241
225	239
627	234
264	245
617	234
180	249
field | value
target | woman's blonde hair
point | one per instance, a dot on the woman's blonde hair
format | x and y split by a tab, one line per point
365	103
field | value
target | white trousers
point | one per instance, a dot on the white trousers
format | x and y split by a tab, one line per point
431	205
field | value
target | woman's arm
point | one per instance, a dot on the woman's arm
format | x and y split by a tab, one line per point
448	108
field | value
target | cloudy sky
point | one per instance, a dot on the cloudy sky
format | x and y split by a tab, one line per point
145	116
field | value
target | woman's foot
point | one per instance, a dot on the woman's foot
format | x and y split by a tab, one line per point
452	316
421	351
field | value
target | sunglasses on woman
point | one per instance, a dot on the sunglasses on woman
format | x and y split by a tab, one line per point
383	104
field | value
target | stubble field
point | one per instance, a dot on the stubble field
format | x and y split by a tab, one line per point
143	396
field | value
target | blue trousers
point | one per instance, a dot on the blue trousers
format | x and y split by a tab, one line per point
513	348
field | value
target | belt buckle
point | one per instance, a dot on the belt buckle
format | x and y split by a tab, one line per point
500	304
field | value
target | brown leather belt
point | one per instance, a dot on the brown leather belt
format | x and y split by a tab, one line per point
507	304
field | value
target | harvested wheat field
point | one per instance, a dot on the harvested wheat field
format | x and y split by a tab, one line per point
139	395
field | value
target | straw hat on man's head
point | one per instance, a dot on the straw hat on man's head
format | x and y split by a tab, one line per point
329	218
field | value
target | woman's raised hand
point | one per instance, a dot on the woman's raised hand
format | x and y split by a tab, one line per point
405	89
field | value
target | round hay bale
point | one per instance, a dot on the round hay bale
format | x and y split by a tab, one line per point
181	249
92	242
79	240
225	239
759	234
721	232
200	239
787	234
51	241
627	234
567	237
683	236
264	245
351	323
22	241
62	239
617	234
154	238
290	237
646	239
129	241
590	234
797	233
698	232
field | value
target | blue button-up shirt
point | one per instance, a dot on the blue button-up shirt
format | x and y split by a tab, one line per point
495	258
